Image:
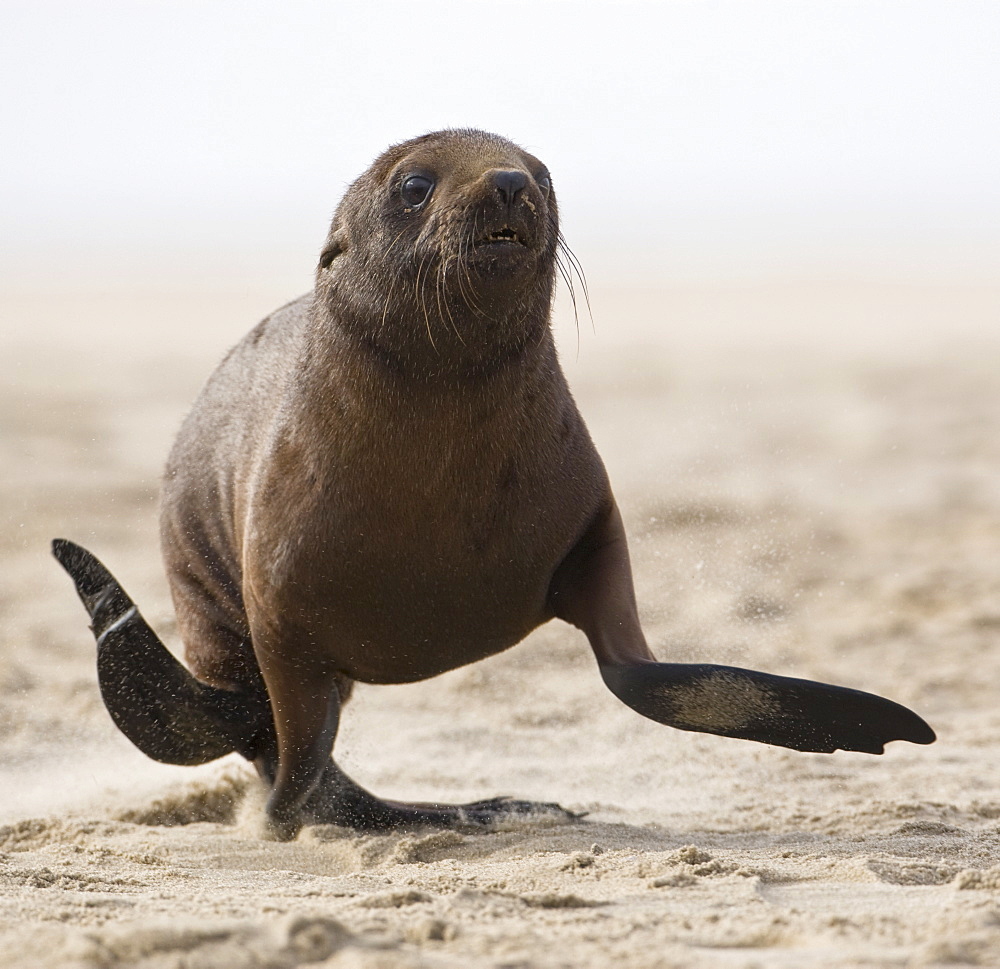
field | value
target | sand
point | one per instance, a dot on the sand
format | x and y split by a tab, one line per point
810	477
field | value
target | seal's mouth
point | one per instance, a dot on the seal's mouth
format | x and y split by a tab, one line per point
502	237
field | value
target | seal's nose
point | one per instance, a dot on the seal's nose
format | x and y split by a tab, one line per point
510	184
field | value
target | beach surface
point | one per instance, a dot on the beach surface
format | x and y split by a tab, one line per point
810	478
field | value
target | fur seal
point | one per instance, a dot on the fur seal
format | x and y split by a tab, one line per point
389	478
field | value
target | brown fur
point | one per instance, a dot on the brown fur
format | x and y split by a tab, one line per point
347	484
381	481
389	478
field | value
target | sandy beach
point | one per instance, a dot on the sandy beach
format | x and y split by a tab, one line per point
810	478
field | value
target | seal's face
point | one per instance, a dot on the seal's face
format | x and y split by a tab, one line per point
488	212
451	229
466	198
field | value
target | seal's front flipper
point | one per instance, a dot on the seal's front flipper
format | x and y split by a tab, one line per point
154	700
778	710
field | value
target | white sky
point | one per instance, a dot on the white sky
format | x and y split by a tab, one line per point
741	134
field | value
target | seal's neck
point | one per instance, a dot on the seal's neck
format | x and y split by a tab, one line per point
437	336
341	374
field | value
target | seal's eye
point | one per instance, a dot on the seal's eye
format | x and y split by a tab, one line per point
544	182
416	189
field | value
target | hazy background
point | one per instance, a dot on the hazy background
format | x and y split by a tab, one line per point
790	219
204	144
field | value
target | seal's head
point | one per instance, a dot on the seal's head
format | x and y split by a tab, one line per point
448	241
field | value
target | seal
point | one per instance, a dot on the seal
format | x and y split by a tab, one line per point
389	478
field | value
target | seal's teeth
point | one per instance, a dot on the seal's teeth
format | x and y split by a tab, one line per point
506	234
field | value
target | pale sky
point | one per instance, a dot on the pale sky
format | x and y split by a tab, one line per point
735	134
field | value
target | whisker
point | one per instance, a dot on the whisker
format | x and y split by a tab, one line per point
468	287
575	262
568	280
441	288
575	267
464	277
419	293
388	297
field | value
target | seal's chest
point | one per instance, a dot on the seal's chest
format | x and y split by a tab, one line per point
461	517
397	599
424	570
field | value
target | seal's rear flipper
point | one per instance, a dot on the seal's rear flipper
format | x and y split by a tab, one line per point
778	710
154	700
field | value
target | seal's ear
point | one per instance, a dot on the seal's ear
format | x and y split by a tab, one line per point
335	246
